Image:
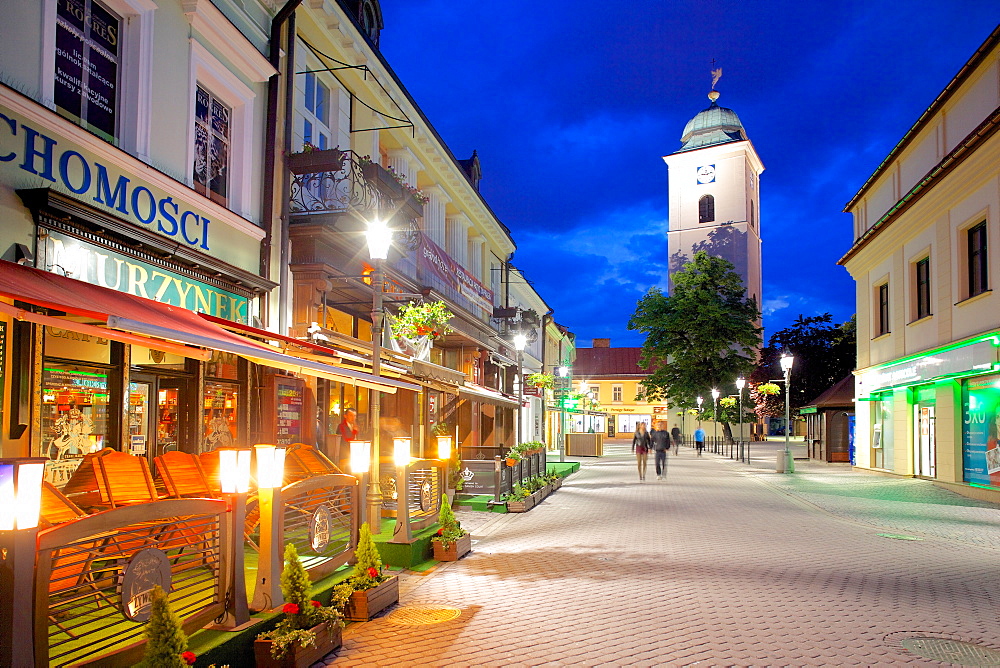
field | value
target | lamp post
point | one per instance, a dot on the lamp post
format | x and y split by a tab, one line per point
20	502
379	238
786	464
270	477
520	341
715	419
740	384
562	372
234	473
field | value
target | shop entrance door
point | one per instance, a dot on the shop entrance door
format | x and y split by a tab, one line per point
926	454
158	415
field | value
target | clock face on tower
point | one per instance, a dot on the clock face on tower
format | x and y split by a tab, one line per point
706	174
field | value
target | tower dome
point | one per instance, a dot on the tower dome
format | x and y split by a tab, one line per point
715	125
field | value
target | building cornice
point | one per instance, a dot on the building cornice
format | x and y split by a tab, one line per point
925	118
956	157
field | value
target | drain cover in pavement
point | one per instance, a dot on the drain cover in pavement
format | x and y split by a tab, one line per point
952	651
416	615
898	536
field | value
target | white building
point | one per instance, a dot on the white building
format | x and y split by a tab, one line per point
714	195
926	225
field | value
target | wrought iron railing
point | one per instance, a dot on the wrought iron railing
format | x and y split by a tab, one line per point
337	186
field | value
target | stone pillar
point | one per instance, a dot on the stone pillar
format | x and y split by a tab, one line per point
405	164
434	214
457	227
475	259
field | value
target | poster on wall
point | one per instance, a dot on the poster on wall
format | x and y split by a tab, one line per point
287	402
981	430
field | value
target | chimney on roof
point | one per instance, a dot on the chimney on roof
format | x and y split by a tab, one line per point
602	343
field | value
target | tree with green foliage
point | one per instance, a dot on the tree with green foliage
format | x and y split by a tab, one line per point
702	336
166	643
451	529
368	564
825	353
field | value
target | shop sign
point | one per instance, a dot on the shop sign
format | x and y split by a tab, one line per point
980	355
319	529
66	255
981	430
431	258
146	569
46	159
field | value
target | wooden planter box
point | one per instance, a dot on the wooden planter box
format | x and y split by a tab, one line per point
410	207
311	162
521	506
328	638
556	484
380	177
538	496
453	552
363	605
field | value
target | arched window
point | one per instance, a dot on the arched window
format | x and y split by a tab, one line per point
706	209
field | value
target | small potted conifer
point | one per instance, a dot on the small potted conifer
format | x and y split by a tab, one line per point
308	631
371	590
166	643
452	542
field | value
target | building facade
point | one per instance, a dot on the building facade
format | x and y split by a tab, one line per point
714	191
612	377
924	261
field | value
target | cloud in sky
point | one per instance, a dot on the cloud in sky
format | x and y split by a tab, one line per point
572	103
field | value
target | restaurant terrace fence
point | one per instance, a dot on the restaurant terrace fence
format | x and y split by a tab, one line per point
321	520
423	486
94	576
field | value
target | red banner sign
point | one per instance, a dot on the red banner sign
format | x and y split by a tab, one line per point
431	258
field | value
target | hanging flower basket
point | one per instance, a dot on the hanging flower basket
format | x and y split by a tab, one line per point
428	319
768	388
727	402
540	380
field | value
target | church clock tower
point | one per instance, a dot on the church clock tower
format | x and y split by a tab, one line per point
713	181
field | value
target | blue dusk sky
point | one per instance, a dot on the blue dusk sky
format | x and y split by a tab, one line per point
572	104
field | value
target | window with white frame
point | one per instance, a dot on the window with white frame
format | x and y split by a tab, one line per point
594	392
977	260
616	393
882	309
221	144
212	123
316	112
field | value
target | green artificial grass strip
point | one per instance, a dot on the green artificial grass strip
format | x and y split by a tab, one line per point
424	566
563	468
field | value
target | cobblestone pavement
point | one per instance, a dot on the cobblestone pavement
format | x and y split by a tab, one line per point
722	564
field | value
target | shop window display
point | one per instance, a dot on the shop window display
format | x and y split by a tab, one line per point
74	416
220	414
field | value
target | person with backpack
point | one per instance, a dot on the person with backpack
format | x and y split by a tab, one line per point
660	439
699	439
640	446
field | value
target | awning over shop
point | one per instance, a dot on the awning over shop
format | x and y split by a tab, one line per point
486	395
122	311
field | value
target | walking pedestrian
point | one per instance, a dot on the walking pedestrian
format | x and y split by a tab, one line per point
678	438
660	439
640	446
699	439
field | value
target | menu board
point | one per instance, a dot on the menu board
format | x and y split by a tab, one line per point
287	397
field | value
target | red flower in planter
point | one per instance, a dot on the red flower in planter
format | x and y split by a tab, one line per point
290	608
189	658
440	532
373	572
316	604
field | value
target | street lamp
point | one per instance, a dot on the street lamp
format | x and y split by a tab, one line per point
715	418
270	477
401	458
562	372
787	464
20	503
234	474
520	341
379	238
444	447
740	384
